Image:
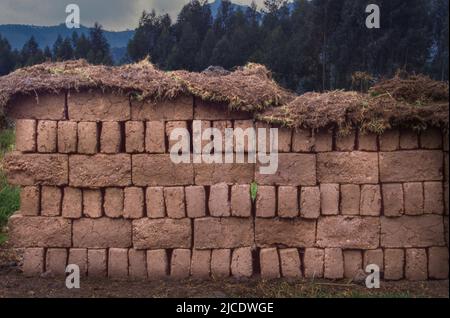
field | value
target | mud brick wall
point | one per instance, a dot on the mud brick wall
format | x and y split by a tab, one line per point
99	190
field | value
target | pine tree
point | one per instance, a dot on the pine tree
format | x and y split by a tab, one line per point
7	61
31	54
99	52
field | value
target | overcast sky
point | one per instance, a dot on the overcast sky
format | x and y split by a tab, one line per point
112	14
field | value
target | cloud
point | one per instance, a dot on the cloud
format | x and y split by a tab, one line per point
112	14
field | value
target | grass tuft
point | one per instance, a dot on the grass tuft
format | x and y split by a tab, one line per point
9	195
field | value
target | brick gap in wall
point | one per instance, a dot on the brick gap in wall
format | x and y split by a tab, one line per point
263	233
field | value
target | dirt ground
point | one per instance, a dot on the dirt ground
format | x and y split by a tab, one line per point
13	284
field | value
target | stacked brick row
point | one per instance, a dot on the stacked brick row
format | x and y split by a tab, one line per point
99	190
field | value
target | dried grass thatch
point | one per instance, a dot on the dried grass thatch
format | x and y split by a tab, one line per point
247	89
250	88
415	102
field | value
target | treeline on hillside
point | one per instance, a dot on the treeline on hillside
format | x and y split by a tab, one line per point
313	45
94	48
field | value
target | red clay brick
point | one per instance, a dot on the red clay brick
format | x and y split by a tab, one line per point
350	198
67	136
348	232
293	169
413	198
162	233
241	262
412	231
231	173
51	199
79	256
370	200
134	136
48	107
25	135
101	233
423	165
353	265
302	141
314	262
39	231
290	263
137	264
394	261
97	262
329	199
288	232
310	202
47	132
433	198
92	203
212	233
266	202
222	125
174	198
111	137
159	170
334	263
157	264
195	201
241	204
393	199
368	142
216	111
180	266
118	263
288	202
416	265
375	257
95	171
348	167
36	169
431	139
201	263
155	203
87	138
438	262
178	109
155	137
98	106
409	139
56	261
113	204
323	141
220	263
170	127
346	143
133	204
33	261
270	263
72	203
219	205
390	140
30	201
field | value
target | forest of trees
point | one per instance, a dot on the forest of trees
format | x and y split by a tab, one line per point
313	45
94	48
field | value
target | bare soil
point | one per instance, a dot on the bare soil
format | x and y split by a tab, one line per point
13	284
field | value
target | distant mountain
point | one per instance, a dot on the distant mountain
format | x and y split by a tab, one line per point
18	34
215	6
